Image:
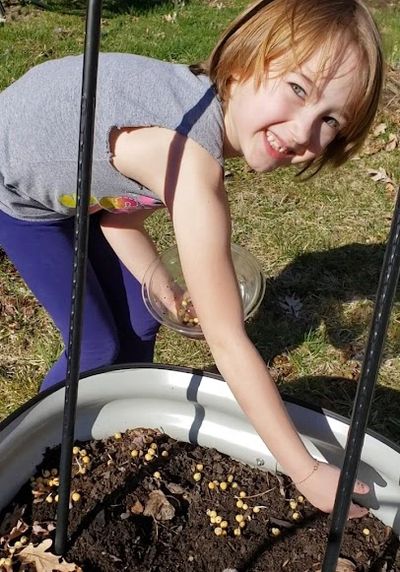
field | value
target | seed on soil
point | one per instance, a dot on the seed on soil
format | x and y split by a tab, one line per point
197	476
224	524
157	475
223	486
75	496
218	531
240	503
218	519
86	459
148	457
134	453
164	454
245	506
75	450
83	452
212	513
242	494
117	436
256	509
239	518
230	478
199	467
366	531
49	499
296	516
211	486
300	499
237	531
234	485
275	531
23	540
293	504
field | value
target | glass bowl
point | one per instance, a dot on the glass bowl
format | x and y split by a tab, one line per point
248	272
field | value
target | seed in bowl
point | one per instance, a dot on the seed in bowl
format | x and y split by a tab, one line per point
187	313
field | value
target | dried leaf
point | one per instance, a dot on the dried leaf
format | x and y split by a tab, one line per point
291	305
39	530
392	142
176	489
170	17
344	565
378	175
159	507
137	508
18	530
379	129
10	520
45	561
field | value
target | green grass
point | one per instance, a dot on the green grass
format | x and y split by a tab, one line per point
320	243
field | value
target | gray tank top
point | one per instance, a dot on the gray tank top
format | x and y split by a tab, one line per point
39	130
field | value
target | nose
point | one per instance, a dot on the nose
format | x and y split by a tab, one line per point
302	132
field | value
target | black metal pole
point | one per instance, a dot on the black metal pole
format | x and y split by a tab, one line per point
383	305
85	153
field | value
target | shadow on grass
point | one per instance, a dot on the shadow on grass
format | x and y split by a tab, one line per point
321	282
310	291
109	7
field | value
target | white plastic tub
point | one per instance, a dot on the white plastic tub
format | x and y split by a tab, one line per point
190	406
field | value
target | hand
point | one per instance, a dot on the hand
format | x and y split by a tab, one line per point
185	310
320	490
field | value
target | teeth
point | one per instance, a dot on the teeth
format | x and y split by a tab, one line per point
275	144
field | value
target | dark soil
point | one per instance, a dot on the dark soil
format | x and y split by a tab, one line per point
145	515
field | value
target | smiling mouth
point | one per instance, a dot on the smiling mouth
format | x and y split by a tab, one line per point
275	144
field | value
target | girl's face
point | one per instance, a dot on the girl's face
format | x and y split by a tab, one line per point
289	119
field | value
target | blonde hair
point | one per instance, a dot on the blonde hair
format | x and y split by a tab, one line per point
287	33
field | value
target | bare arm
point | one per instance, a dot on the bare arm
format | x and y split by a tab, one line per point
195	195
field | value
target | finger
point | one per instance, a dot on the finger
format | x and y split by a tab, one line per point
357	511
361	488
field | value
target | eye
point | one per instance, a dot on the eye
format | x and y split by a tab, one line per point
332	122
298	90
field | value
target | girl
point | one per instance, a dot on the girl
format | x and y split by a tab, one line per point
290	82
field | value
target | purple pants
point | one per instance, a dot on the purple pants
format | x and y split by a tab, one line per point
117	328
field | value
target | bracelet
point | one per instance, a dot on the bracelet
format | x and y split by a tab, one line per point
315	468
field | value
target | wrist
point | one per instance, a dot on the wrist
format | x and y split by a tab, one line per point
308	474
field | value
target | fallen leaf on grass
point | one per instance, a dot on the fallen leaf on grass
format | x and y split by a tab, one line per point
159	507
45	561
291	305
392	142
379	175
379	129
